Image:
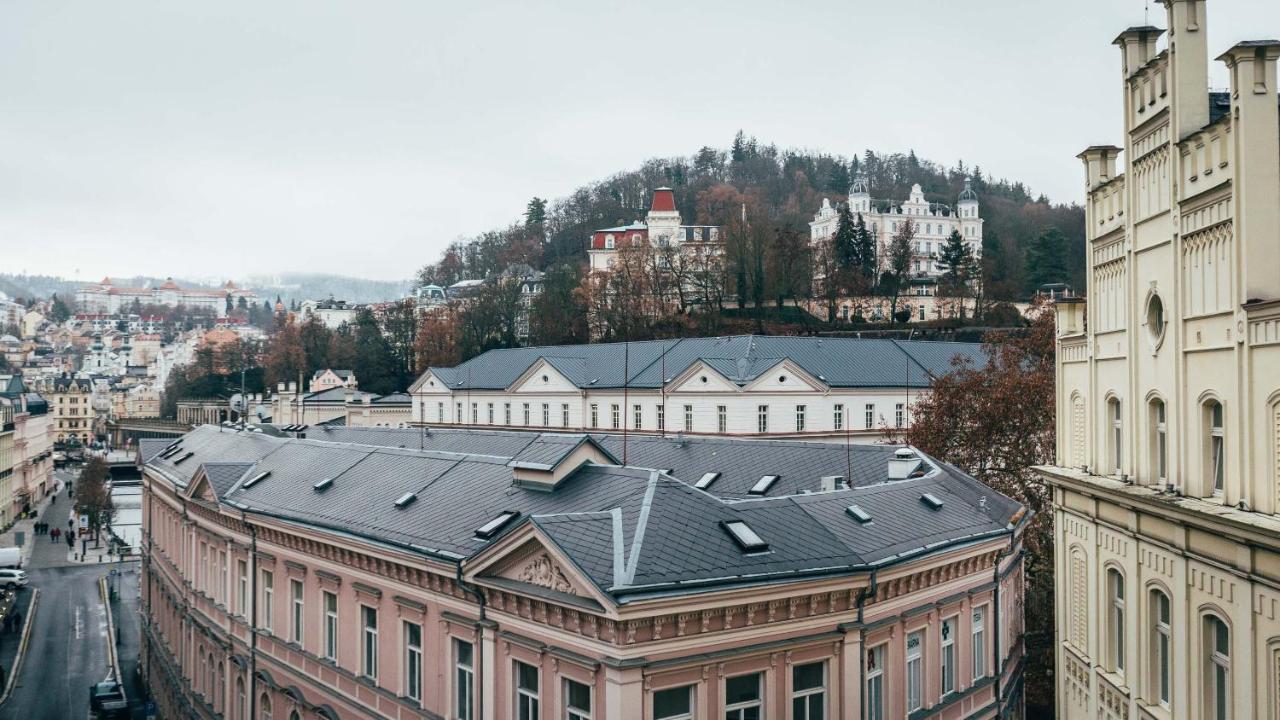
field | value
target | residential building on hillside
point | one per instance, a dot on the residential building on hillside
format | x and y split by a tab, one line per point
107	297
1166	483
934	223
537	576
331	313
7	462
70	401
32	443
329	378
662	227
810	388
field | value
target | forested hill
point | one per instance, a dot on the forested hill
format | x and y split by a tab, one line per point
1021	250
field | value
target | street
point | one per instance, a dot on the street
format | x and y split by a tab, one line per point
68	643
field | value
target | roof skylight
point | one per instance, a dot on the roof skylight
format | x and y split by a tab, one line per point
933	501
705	481
763	484
406	500
744	536
492	527
857	513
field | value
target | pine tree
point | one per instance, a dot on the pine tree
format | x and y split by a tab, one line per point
845	239
898	272
958	258
838	178
864	248
1047	259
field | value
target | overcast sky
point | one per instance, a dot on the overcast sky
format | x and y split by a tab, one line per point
228	138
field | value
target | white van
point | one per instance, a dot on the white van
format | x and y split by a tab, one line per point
10	557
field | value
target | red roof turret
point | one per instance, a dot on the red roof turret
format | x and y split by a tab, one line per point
664	200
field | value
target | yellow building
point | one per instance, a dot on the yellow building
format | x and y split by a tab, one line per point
7	462
1167	479
71	403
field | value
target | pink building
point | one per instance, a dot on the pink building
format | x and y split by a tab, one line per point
372	573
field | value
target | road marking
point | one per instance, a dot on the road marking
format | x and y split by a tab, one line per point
79	624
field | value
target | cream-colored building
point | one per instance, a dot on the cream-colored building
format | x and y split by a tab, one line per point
1167	476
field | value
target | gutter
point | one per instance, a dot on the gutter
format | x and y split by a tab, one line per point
253	615
470	589
997	667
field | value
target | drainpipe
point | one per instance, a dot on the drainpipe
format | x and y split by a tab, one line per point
253	616
863	594
470	589
997	670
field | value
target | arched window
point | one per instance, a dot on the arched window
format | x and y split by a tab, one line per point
1159	441
293	715
1161	649
1215	447
1115	441
264	707
1079	600
1217	669
242	707
1115	620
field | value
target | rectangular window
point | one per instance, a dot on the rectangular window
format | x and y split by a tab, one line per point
637	416
762	418
915	679
1162	443
900	415
464	700
526	414
662	416
615	416
457	415
875	683
837	417
1117	436
564	414
268	595
369	644
673	703
490	409
595	415
949	654
475	413
1115	588
330	625
1216	441
979	642
800	410
809	691
506	413
546	414
1162	640
413	661
577	700
242	572
295	593
688	418
440	412
722	419
870	419
527	691
742	698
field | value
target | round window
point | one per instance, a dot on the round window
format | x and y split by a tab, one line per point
704	378
1155	318
782	378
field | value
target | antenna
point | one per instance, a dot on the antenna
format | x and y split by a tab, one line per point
1146	13
626	375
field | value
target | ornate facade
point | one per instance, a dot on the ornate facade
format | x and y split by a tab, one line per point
1167	479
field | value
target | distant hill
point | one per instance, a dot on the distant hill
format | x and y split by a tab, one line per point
289	286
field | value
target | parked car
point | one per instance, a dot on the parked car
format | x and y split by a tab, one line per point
12	578
107	701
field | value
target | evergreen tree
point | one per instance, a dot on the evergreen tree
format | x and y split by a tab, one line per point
845	239
60	311
838	177
1047	259
958	258
898	272
373	359
738	152
535	213
864	244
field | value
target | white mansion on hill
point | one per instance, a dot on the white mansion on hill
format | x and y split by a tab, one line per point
663	227
934	224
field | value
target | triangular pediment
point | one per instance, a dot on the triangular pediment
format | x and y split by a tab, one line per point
701	377
199	487
527	563
543	377
786	376
428	383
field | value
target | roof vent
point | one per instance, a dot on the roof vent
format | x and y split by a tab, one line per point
255	479
904	462
763	484
180	460
323	485
857	513
491	528
406	500
744	536
705	481
831	482
933	501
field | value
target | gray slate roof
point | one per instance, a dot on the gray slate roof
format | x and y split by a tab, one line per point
839	362
678	545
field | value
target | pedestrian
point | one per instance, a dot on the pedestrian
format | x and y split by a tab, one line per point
71	543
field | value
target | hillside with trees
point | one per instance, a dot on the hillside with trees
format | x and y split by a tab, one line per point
764	198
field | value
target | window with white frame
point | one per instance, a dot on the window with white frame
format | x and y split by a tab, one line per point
673	703
525	409
615	414
869	420
837	417
661	411
722	418
546	414
440	412
330	625
637	416
1161	647
595	415
809	691
800	413
506	413
688	418
949	654
296	603
577	700
1160	440
268	597
457	415
915	671
1216	447
762	418
875	683
899	415
743	699
564	414
242	572
1217	669
490	409
475	413
413	661
464	680
979	645
369	642
526	690
1115	620
1116	422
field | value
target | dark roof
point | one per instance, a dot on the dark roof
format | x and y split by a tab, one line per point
1219	106
838	362
670	537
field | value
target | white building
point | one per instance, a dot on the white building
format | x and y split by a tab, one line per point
330	313
934	223
107	297
663	227
811	388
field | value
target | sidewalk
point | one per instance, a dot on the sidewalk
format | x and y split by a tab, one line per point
26	526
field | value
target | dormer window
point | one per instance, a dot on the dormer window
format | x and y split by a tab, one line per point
744	536
608	242
933	501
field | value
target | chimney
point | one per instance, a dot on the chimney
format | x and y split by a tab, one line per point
1137	46
1099	164
830	483
1188	66
1255	152
904	462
